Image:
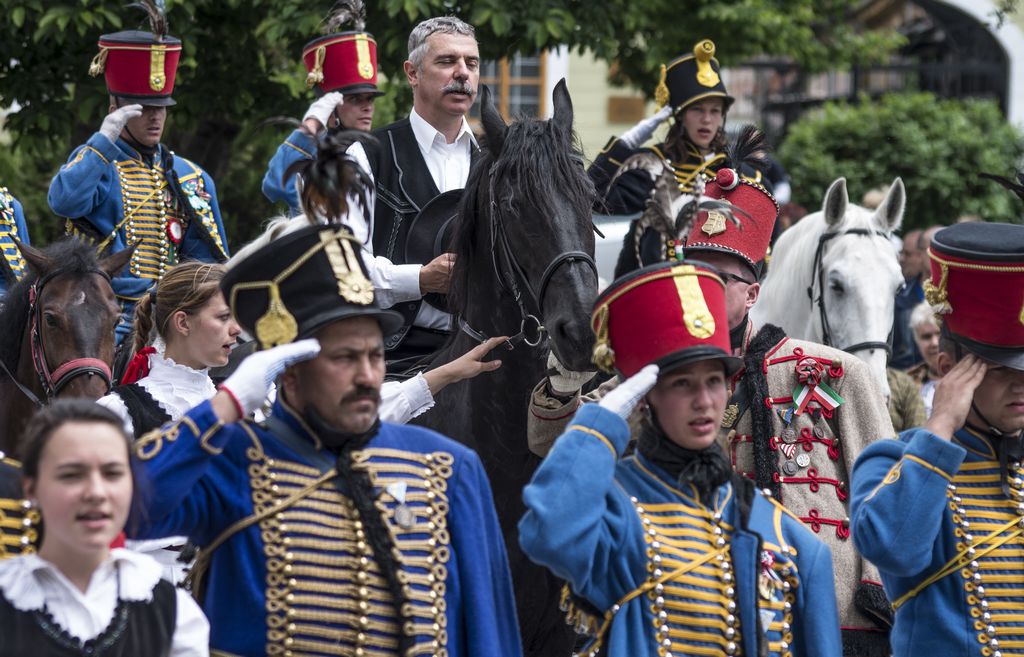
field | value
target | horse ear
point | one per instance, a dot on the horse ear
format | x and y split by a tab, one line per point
562	103
836	200
494	125
36	260
112	264
889	214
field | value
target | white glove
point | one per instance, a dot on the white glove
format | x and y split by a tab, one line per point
623	399
565	382
114	122
249	384
323	107
643	130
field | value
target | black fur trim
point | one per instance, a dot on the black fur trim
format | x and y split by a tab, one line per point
766	462
870	600
865	643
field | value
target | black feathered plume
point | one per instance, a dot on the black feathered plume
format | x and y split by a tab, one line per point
345	13
327	180
750	150
157	19
1015	187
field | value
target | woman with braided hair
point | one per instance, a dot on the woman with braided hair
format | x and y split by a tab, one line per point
182	328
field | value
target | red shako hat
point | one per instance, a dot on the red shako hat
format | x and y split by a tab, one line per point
758	210
139	66
343	61
977	288
669	314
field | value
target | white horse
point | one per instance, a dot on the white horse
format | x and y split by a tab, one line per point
834	275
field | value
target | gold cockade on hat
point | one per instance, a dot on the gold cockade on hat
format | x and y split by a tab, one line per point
277	325
704	52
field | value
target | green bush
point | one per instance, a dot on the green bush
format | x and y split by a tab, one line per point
937	146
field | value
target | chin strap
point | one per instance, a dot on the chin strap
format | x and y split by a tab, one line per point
1007	446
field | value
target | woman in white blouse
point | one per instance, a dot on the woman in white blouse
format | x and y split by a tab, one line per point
182	328
77	596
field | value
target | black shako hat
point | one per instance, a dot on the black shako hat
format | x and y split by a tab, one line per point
977	288
691	78
303	281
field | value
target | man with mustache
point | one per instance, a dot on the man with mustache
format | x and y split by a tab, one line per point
323	530
124	187
418	159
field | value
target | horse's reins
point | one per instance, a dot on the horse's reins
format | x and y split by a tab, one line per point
53	382
513	279
819	276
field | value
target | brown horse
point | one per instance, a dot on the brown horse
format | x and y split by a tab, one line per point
57	325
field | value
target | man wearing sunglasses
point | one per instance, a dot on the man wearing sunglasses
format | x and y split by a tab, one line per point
799	414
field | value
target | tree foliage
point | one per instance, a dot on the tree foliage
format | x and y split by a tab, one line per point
240	65
937	146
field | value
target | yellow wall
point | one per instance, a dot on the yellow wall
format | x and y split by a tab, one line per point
590	91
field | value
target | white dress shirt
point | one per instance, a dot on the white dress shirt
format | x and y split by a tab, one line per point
29	582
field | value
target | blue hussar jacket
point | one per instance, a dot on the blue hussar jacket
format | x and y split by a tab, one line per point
686	579
110	194
298	146
304	579
12	227
932	516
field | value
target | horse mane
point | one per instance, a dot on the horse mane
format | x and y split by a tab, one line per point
71	256
538	159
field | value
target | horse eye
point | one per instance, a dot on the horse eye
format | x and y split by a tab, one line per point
836	287
51	320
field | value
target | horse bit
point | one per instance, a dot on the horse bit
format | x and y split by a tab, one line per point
819	275
53	382
530	305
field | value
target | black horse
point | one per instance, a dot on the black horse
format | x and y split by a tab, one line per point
524	245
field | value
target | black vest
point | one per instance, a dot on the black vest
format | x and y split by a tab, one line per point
145	412
137	628
404	186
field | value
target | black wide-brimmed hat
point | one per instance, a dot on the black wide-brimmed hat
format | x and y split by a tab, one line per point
692	78
977	289
430	235
301	282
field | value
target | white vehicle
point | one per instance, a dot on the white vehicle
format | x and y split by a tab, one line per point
606	249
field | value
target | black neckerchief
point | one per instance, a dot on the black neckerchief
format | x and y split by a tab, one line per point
1009	447
335	440
147	152
704	469
738	333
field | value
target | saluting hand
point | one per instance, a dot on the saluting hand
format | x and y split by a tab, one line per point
319	113
953	396
245	390
115	122
624	398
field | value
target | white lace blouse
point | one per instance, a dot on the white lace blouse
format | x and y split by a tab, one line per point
29	582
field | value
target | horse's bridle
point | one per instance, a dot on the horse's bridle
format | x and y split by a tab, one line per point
53	382
818	275
513	280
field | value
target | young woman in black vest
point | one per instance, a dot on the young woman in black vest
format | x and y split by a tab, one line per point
77	596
